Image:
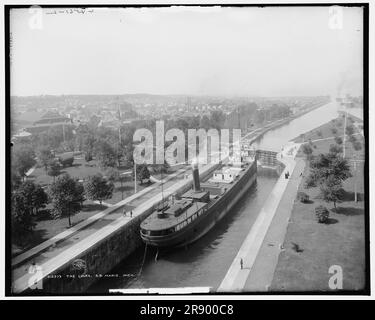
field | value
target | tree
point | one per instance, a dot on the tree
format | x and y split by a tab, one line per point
67	196
16	179
105	154
98	188
22	219
205	122
114	175
307	150
217	119
26	201
338	140
44	156
322	214
22	160
336	149
352	139
330	165
349	130
303	197
357	145
39	198
34	196
88	143
142	172
53	169
331	190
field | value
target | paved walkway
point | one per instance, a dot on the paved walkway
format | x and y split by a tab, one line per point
236	278
263	269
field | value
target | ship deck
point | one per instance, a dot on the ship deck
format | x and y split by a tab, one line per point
153	223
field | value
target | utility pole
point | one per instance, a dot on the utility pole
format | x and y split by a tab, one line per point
346	114
135	177
355	181
63	127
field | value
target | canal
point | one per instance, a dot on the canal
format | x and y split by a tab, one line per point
206	262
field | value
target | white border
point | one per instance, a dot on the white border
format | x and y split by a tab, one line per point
193	297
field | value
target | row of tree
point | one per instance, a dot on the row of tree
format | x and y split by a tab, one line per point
66	196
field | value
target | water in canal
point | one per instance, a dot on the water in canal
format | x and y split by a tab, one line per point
275	139
206	262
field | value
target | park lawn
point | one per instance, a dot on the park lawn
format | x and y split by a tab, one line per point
47	227
339	242
324	145
127	190
80	169
325	130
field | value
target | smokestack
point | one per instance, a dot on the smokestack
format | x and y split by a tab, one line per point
196	183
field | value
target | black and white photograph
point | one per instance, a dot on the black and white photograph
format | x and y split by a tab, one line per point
187	149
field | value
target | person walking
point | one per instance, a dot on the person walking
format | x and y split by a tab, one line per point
124	212
131	213
241	263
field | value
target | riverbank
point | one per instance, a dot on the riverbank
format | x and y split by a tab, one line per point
261	131
311	248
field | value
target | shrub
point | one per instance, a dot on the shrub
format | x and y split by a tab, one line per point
335	148
321	214
349	130
352	139
357	145
338	140
303	197
319	133
88	156
310	181
334	130
306	149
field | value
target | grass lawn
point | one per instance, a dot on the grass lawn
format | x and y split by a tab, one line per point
82	170
46	227
333	128
339	242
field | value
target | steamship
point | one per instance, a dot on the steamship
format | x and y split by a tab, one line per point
194	213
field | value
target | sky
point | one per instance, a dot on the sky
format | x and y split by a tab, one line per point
272	51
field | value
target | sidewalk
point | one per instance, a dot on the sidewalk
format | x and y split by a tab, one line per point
261	274
236	278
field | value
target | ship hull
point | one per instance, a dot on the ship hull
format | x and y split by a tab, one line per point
205	223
